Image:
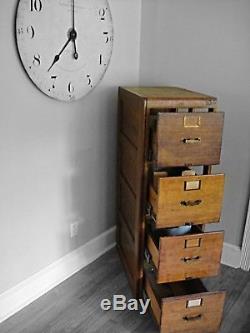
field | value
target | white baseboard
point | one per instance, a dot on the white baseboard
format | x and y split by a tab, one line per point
16	298
231	255
245	257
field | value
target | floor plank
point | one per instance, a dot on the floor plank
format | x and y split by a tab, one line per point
74	305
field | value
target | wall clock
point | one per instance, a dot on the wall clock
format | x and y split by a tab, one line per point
65	45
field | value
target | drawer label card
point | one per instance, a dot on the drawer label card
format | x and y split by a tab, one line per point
192	121
195	242
194	302
192	185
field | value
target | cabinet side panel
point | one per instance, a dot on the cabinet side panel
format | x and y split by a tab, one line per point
131	185
127	204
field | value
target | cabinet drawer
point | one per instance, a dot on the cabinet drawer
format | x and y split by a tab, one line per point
177	258
187	138
184	307
186	199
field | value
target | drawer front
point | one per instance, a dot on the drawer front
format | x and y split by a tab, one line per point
188	138
201	313
186	257
194	313
191	199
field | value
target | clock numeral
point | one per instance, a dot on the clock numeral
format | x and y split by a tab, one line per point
102	13
20	31
108	38
36	5
30	31
53	78
70	88
37	60
89	80
101	60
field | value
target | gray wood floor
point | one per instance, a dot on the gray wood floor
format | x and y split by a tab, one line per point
74	305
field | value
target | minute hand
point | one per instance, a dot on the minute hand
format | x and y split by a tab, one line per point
73	31
73	14
57	57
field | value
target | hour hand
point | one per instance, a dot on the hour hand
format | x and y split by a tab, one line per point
57	56
75	55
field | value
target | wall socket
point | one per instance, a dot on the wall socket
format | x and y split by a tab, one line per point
74	229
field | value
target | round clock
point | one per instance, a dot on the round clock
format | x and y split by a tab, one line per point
65	45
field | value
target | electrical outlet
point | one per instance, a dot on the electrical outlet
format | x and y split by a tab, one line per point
74	229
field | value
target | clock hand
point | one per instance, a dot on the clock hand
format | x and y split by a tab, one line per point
75	52
73	31
73	14
72	37
57	56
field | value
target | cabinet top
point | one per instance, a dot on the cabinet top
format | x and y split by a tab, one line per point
170	93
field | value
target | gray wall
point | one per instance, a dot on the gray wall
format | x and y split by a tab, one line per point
205	46
57	159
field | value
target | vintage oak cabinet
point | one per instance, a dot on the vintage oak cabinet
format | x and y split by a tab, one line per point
168	140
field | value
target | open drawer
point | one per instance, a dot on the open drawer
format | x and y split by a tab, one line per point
182	138
183	200
177	258
184	307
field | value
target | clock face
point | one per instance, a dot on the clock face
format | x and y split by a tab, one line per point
65	45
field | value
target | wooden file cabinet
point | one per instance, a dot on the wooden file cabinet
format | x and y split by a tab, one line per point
164	133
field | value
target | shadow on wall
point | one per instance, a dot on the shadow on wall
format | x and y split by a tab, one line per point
90	185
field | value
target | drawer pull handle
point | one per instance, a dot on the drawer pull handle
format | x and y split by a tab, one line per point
186	318
191	203
189	260
191	141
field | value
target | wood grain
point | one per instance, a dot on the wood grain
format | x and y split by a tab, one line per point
127	245
154	251
205	319
131	189
128	153
129	119
127	205
175	311
174	261
155	306
169	203
172	97
188	138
